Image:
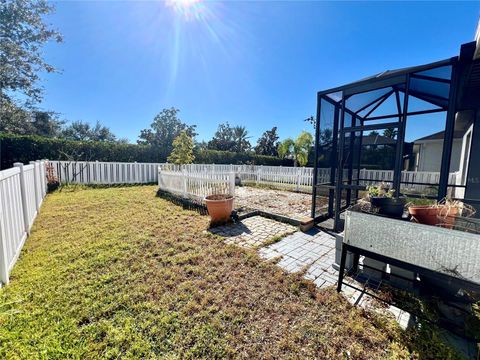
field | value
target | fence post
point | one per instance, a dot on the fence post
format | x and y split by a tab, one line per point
184	182
36	185
23	195
231	184
298	179
4	278
158	176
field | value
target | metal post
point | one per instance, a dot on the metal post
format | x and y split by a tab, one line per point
448	138
315	160
339	182
23	196
341	271
397	172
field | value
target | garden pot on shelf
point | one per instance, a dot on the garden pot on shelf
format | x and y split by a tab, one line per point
219	208
439	215
388	206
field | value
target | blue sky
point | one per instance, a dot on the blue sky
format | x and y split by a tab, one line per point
256	64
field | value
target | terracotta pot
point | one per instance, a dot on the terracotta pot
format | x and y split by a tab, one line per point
219	208
425	214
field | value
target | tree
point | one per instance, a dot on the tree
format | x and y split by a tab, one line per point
240	137
182	152
298	149
374	133
166	126
82	131
390	133
267	144
46	123
23	34
224	138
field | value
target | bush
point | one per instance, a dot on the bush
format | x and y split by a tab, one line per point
23	149
20	148
226	157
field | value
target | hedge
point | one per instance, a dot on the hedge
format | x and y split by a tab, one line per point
21	148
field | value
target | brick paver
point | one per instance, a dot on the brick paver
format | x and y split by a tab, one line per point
313	252
253	231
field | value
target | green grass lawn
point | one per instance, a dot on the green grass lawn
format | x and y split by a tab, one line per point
120	273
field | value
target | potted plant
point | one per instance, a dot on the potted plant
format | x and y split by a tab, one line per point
381	197
441	213
219	208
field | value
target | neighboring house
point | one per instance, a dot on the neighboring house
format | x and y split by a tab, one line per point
428	152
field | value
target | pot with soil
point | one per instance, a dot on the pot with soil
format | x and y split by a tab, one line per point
439	214
219	208
389	206
381	197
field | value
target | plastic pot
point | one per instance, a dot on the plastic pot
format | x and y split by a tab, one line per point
392	207
428	215
219	208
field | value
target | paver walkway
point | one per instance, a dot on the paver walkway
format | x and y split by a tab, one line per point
312	252
253	231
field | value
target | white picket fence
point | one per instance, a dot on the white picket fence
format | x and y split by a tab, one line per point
301	178
22	190
297	178
196	185
99	172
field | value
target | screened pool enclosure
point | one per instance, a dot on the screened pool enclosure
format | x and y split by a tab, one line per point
412	128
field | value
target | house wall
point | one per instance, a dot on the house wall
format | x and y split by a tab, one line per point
430	155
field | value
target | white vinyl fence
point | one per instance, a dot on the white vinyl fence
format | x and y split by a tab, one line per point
22	190
99	172
301	178
196	185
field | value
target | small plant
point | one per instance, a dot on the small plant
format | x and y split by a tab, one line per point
381	190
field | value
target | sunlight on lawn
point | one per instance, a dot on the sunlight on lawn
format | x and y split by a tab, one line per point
118	272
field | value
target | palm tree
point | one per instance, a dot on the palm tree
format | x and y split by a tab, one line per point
240	136
297	149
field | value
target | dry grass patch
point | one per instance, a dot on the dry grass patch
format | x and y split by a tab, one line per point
120	273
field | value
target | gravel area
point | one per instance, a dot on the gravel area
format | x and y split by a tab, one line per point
287	203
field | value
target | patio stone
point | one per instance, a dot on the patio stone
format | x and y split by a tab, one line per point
253	231
313	251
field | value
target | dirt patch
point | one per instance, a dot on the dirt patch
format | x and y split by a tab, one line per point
286	203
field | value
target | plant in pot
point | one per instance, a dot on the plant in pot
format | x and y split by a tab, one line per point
219	207
381	197
442	213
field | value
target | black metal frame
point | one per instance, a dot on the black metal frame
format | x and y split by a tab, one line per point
400	83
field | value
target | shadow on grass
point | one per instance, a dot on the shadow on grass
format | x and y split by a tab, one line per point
185	203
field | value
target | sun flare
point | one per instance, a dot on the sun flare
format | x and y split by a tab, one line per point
189	9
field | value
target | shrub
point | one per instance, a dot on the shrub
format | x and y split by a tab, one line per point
226	157
23	149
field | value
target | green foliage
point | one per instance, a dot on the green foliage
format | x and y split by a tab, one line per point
228	138
166	126
25	148
298	149
267	144
82	131
24	33
381	190
227	157
182	152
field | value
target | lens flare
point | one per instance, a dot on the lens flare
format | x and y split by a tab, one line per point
188	9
